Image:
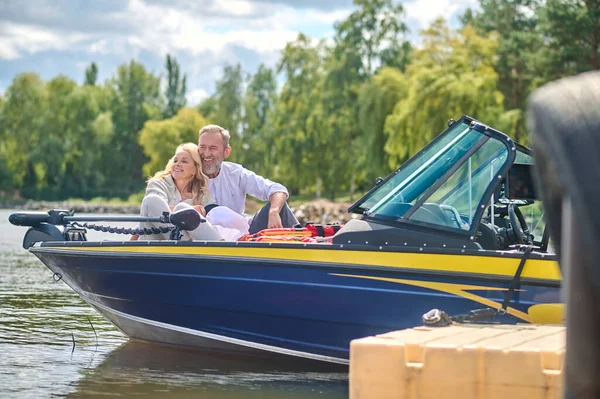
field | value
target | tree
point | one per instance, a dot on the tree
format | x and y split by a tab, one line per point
377	99
376	33
258	104
22	117
6	175
176	88
159	139
91	74
572	31
90	134
55	139
452	74
516	23
208	107
135	100
298	103
229	108
371	35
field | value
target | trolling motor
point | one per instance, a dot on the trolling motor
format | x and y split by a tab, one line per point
62	225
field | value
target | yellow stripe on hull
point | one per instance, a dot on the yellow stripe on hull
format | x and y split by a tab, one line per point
546	313
453	263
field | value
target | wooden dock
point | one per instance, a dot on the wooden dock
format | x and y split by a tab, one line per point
460	361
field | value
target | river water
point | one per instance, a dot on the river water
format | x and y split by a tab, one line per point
53	345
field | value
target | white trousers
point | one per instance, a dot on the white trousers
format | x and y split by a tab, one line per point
154	206
230	225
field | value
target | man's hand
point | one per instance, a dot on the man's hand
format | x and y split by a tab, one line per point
277	201
274	219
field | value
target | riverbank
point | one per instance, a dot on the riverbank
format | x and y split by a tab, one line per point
317	210
77	206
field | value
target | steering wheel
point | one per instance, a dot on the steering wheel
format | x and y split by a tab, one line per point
519	229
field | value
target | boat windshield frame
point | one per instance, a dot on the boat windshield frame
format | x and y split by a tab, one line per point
404	220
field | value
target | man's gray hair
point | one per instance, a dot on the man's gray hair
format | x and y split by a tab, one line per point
216	129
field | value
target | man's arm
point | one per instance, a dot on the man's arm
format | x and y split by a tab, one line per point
277	200
265	189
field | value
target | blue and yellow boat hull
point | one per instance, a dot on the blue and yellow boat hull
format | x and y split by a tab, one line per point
302	300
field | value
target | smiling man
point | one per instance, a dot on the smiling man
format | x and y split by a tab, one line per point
230	182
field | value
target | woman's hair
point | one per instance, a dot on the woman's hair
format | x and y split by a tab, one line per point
199	184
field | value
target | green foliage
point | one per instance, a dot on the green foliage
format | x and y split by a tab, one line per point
103	129
257	139
21	123
452	74
296	119
516	24
228	108
348	110
374	32
208	108
573	31
135	100
176	88
377	99
159	139
91	74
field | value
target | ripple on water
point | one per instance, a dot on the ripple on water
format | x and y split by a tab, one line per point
40	318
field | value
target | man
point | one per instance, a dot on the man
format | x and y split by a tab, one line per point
230	182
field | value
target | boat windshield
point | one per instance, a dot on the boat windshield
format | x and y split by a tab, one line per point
445	183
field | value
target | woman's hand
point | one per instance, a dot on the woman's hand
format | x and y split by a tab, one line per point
200	210
134	237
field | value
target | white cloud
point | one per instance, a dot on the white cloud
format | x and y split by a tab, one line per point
8	51
195	97
328	17
99	47
17	39
200	29
162	29
426	11
204	35
239	8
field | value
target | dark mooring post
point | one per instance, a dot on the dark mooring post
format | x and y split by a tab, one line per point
564	121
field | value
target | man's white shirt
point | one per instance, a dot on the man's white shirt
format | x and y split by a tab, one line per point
234	181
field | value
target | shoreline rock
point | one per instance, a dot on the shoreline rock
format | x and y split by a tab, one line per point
78	207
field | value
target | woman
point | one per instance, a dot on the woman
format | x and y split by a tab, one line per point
181	184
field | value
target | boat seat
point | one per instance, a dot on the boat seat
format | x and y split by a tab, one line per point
487	236
432	213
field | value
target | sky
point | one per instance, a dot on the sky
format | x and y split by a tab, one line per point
52	37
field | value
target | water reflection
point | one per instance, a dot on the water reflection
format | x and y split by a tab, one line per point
148	370
48	348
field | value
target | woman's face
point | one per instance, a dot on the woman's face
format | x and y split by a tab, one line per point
183	166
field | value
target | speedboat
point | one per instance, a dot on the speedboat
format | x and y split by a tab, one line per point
458	228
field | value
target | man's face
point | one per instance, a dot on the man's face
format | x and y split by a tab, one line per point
212	152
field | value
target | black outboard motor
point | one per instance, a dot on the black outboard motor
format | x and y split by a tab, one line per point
565	126
47	226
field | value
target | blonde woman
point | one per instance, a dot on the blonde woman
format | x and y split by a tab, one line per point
180	185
